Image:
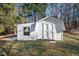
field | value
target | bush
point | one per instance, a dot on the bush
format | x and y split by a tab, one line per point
2	29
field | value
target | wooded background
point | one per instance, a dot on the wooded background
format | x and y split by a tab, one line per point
12	14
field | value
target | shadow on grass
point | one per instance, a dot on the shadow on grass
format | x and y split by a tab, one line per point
72	37
68	49
72	48
40	48
5	48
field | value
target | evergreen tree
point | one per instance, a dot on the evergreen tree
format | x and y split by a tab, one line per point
8	18
34	9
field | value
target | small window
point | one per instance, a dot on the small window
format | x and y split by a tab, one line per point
26	30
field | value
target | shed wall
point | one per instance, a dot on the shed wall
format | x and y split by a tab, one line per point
21	36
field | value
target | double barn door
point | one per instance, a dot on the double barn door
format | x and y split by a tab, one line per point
47	31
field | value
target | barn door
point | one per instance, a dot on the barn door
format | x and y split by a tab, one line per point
52	32
42	30
45	33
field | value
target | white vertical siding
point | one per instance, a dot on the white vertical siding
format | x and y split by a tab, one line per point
38	30
58	36
46	30
21	36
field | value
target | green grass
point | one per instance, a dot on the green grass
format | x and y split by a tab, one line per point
68	47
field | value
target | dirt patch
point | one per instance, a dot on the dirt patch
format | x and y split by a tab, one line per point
4	37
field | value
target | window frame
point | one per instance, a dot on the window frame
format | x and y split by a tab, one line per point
26	33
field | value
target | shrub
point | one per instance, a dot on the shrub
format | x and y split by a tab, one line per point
2	29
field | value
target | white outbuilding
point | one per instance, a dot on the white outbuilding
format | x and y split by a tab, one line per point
48	28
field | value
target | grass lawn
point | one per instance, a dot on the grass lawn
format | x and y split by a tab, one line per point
69	46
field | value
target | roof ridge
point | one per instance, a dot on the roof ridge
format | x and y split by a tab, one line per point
48	17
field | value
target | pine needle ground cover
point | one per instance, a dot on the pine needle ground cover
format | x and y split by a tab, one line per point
68	47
